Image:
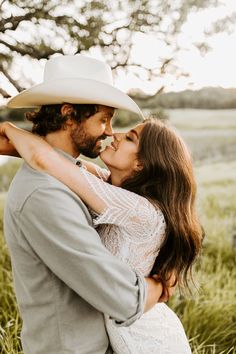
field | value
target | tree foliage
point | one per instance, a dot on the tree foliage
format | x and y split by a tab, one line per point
38	29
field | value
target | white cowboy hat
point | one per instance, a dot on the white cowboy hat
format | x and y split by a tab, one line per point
75	79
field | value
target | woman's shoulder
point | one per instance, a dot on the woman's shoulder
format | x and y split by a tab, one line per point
121	198
151	209
145	208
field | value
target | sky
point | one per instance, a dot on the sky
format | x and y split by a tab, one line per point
214	68
217	67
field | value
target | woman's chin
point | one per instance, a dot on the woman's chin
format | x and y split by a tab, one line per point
105	155
107	152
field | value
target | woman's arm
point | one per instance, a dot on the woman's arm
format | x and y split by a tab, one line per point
42	157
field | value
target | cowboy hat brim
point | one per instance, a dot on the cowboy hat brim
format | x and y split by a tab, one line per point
75	91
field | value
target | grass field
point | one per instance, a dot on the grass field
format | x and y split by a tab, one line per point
203	118
209	316
211	134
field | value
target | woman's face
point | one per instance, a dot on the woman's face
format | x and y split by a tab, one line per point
121	155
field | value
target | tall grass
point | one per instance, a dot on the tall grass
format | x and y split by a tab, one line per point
10	322
210	316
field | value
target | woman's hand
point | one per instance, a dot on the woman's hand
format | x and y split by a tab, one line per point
4	127
6	148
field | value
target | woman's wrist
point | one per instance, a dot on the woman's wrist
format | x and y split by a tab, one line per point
6	128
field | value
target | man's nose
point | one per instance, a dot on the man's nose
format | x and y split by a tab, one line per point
109	130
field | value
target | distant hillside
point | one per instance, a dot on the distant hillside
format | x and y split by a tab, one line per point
206	98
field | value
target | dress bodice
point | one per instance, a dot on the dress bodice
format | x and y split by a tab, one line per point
130	226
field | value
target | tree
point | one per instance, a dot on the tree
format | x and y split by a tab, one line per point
38	29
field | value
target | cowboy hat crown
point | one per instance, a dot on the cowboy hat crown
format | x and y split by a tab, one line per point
75	79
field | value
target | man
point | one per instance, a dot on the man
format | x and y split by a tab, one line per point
64	277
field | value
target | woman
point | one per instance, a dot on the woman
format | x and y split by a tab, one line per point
144	209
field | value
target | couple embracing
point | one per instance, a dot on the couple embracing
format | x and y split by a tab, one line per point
97	252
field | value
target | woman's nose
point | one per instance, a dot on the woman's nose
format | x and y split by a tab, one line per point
118	136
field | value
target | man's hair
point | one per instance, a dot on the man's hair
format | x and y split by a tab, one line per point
49	118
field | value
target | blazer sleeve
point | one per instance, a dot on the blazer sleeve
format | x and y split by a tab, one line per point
55	225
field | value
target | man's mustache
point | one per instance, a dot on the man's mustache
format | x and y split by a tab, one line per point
102	137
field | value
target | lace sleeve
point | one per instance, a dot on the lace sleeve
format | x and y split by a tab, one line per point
93	168
124	208
102	173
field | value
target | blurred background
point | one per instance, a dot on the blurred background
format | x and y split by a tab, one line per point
176	59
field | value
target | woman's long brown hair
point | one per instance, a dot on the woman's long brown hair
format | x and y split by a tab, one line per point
167	180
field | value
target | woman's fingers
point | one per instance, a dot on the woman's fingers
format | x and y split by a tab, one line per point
3	128
6	148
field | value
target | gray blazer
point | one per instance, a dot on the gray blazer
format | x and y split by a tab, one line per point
64	277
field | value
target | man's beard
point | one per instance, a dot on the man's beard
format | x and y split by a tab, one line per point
84	143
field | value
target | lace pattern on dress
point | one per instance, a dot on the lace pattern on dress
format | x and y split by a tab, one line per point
130	226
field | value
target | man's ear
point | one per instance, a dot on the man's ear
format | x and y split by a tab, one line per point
66	111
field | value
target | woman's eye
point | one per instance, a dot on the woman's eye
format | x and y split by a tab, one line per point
128	138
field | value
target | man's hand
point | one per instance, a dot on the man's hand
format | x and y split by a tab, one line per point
170	288
155	290
167	293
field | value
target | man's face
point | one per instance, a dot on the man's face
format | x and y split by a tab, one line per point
87	136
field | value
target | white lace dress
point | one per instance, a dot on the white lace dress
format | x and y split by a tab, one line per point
133	230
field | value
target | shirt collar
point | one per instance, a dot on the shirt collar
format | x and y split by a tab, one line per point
67	156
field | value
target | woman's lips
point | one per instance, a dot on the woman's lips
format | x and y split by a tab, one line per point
113	146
